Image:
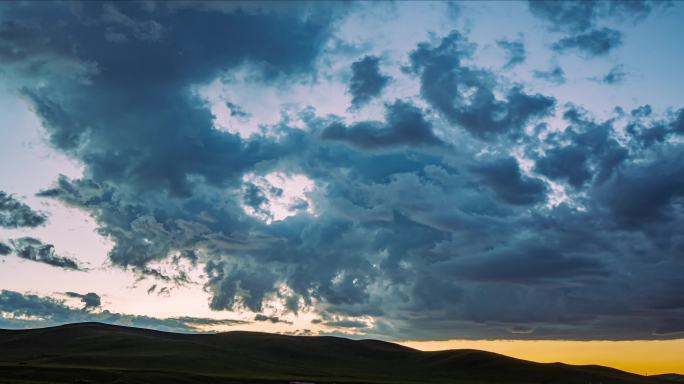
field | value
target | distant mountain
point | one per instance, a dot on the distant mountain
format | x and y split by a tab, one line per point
99	353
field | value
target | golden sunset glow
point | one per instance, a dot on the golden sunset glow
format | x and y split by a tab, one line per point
646	357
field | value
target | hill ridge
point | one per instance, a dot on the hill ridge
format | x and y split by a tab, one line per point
100	352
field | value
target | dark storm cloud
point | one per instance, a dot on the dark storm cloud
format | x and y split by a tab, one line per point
503	176
141	68
432	229
646	130
527	263
465	96
646	192
515	52
90	300
15	214
597	42
678	122
28	310
555	75
404	125
34	54
33	249
366	81
255	198
591	152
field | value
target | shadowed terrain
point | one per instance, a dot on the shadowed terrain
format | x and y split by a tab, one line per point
671	377
99	353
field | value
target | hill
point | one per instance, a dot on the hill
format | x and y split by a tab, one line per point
98	353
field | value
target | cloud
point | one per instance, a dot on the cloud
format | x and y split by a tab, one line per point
555	75
592	151
33	249
597	42
580	16
615	76
25	51
645	130
66	108
90	300
5	249
272	319
465	96
122	27
405	125
346	324
503	176
467	210
525	262
646	192
22	310
15	214
582	22
515	52
366	81
566	15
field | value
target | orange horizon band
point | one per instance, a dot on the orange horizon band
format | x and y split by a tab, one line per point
644	357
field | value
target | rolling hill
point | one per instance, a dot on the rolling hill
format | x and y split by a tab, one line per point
98	353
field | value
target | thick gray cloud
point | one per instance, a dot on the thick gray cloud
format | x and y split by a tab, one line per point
503	176
15	214
465	95
526	263
277	44
366	81
592	152
30	248
462	213
645	193
404	125
650	130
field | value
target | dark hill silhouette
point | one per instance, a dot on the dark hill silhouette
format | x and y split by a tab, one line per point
99	353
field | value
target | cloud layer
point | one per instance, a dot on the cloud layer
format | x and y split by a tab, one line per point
15	214
25	310
473	207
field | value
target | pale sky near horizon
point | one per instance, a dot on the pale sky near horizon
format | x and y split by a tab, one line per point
495	175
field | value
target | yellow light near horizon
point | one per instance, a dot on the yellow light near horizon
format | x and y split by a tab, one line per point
645	357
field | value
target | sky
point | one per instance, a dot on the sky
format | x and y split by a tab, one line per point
506	175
